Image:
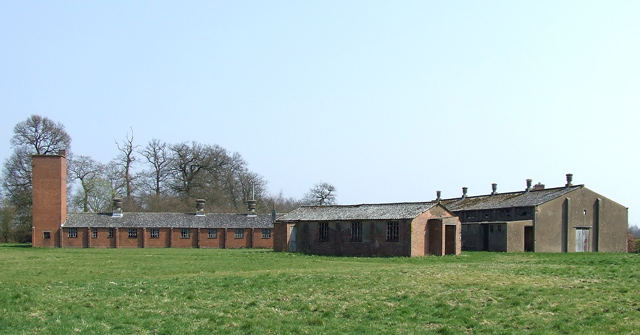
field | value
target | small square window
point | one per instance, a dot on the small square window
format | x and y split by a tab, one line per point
185	233
239	233
266	233
47	235
154	233
73	232
213	233
94	233
133	233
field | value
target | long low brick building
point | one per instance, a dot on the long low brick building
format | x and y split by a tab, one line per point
54	227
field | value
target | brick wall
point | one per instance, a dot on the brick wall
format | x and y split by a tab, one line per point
49	180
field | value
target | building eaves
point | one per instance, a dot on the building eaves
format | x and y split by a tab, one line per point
391	211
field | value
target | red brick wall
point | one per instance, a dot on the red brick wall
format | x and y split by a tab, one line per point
49	199
124	241
178	242
280	236
232	242
103	240
206	242
74	242
162	241
259	242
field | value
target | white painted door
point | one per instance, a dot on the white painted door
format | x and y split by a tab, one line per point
293	240
582	240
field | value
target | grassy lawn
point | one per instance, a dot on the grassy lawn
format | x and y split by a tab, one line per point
200	291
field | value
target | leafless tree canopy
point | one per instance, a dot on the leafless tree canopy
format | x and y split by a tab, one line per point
40	136
321	194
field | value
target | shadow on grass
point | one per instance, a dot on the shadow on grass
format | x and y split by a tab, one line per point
15	245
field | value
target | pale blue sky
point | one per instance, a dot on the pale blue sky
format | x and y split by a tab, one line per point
388	100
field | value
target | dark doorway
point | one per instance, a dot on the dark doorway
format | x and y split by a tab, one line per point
528	239
449	240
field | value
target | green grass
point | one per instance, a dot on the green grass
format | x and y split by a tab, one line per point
199	291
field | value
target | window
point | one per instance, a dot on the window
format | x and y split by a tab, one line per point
239	233
154	233
47	235
73	232
213	233
499	228
110	233
94	233
392	231
133	233
323	231
491	228
266	233
185	233
356	231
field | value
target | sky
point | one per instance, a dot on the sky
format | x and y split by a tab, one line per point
389	101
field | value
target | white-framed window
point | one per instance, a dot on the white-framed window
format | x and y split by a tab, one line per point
185	233
133	232
213	233
94	233
73	232
393	231
323	231
239	233
266	233
356	231
110	233
154	233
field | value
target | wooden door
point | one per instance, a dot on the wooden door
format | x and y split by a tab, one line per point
582	240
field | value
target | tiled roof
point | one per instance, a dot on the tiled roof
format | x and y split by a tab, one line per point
167	220
507	200
396	211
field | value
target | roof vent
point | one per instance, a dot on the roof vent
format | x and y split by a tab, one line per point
464	192
117	207
199	207
494	189
529	181
569	179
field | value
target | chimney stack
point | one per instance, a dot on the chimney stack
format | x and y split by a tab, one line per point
539	186
569	179
529	181
117	207
199	207
464	192
494	188
438	193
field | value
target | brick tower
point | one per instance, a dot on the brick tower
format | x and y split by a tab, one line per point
49	199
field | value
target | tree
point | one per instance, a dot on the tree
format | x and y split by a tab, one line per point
157	154
87	171
7	221
126	160
36	135
321	194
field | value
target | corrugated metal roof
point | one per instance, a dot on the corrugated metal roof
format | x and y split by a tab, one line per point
167	220
394	211
507	200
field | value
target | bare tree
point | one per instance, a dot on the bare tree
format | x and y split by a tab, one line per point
126	159
321	194
87	171
157	154
40	136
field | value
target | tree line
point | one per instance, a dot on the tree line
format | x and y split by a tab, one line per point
154	177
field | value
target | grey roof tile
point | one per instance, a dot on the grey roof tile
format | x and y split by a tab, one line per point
507	200
167	220
393	211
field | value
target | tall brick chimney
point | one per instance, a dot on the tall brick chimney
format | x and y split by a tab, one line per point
49	178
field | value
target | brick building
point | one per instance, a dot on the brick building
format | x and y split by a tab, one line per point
54	227
570	218
399	229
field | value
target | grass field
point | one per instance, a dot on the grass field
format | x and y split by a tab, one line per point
199	291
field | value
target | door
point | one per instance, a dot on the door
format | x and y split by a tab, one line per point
582	240
293	240
449	240
528	239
